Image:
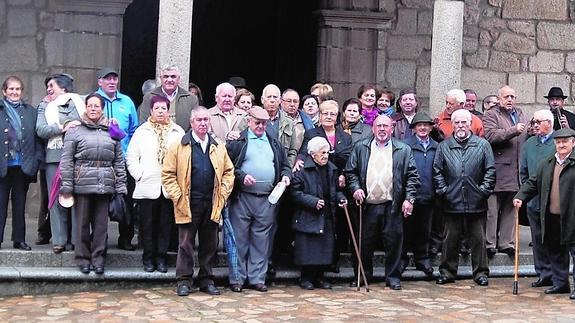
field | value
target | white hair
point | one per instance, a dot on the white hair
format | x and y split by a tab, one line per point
545	114
221	86
316	144
461	113
148	86
171	67
458	94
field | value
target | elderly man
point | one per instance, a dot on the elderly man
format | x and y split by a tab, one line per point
301	121
278	127
534	151
382	176
505	129
198	176
226	118
454	100
470	102
489	102
181	101
260	164
408	103
555	178
121	108
464	177
556	101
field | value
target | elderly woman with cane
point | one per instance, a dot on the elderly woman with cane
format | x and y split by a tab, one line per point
314	190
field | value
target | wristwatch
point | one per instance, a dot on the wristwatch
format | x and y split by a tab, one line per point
412	200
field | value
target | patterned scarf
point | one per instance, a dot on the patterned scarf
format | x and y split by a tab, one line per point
15	128
348	126
161	130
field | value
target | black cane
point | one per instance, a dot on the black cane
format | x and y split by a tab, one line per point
360	264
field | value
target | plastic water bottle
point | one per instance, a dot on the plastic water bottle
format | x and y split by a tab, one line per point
275	195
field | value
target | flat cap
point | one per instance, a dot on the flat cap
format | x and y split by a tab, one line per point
105	72
258	113
421	117
564	133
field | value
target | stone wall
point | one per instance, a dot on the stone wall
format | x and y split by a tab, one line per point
39	37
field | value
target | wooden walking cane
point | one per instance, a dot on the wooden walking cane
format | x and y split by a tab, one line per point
359	263
360	230
516	265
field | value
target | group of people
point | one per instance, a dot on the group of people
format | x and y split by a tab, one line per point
407	182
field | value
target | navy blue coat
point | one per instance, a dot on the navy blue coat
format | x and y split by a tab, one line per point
424	163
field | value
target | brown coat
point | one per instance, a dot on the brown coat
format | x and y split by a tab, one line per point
177	172
506	142
219	124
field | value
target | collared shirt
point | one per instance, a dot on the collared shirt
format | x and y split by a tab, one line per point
252	136
559	160
543	139
513	115
376	145
172	96
424	143
203	143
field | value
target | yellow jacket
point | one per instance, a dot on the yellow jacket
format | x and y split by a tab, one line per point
176	177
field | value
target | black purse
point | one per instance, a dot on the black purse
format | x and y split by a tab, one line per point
118	209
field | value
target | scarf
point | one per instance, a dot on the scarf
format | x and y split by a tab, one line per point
369	115
52	114
348	126
161	131
15	129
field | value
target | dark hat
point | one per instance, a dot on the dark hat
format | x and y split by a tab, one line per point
237	81
555	92
421	117
105	72
564	133
258	113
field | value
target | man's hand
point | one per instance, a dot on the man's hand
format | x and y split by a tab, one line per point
70	125
341	181
286	180
249	180
298	165
342	203
517	203
406	208
320	204
233	135
520	127
359	196
563	121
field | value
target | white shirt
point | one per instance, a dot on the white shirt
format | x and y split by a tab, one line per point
203	143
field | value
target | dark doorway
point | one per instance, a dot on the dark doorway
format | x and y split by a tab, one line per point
262	41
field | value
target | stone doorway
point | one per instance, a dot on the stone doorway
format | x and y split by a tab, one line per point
262	41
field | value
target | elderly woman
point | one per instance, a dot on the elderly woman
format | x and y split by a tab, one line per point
315	194
20	158
58	112
385	102
244	99
367	95
92	167
144	159
351	121
310	106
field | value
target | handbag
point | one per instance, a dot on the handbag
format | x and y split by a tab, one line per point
118	209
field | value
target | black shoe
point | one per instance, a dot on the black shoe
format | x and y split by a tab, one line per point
99	270
41	241
210	289
236	288
542	282
322	284
442	280
58	249
394	285
306	284
491	252
149	266
183	290
482	281
558	290
126	246
572	296
510	251
84	269
22	246
161	267
427	270
259	287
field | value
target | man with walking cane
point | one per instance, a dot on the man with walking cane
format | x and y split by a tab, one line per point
553	184
382	177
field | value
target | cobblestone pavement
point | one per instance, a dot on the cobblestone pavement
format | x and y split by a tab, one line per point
460	302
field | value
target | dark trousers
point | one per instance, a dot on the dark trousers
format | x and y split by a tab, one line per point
437	229
126	230
416	232
540	256
557	252
156	220
14	187
455	225
207	231
44	231
380	226
92	228
312	273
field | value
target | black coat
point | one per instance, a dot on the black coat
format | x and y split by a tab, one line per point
342	147
31	147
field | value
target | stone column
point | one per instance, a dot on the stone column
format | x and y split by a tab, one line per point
175	36
446	51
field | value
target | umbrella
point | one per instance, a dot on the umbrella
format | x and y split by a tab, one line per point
55	188
230	244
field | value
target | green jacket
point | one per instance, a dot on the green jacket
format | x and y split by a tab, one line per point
541	184
533	152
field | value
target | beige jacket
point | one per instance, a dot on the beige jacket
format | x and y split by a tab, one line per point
219	123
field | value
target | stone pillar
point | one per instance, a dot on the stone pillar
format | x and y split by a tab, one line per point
351	47
175	36
446	51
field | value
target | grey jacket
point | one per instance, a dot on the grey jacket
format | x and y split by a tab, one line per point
92	162
180	108
46	131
